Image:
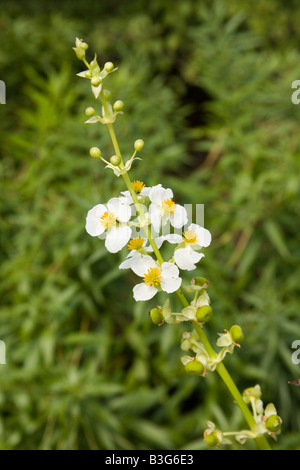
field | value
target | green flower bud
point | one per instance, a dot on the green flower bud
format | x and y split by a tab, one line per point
115	160
95	152
273	423
236	333
156	316
138	145
95	81
204	313
84	46
211	438
106	94
80	53
90	111
108	66
118	105
194	368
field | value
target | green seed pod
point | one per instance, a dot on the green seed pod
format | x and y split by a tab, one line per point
95	81
90	111
108	66
211	438
194	368
156	316
200	281
273	423
236	333
115	160
138	145
95	152
118	105
204	313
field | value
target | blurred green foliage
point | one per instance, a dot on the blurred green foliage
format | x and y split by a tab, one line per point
207	86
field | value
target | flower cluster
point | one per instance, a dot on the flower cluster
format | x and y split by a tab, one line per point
145	218
117	222
266	421
201	361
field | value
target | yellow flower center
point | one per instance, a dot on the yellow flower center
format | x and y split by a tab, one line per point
168	206
136	243
152	277
108	219
190	237
137	186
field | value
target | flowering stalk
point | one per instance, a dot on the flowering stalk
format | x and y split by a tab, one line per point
113	221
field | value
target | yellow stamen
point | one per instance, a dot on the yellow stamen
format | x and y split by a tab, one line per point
108	219
168	206
152	277
136	243
137	186
190	237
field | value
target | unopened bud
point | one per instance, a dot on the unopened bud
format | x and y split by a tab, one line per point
90	111
108	66
115	160
118	105
106	94
204	313
95	81
95	152
138	145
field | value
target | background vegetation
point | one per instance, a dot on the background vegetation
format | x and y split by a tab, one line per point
207	85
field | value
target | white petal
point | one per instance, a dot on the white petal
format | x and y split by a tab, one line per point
128	196
117	238
155	217
143	292
179	218
158	194
169	284
120	207
145	191
185	258
171	238
204	235
169	270
93	224
141	265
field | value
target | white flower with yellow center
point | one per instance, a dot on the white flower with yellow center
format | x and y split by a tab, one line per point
140	189
163	209
137	249
193	239
110	221
155	277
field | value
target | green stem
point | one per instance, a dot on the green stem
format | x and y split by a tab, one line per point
221	369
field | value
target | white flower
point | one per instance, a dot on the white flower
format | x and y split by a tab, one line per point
193	239
140	190
164	277
163	208
138	250
110	220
